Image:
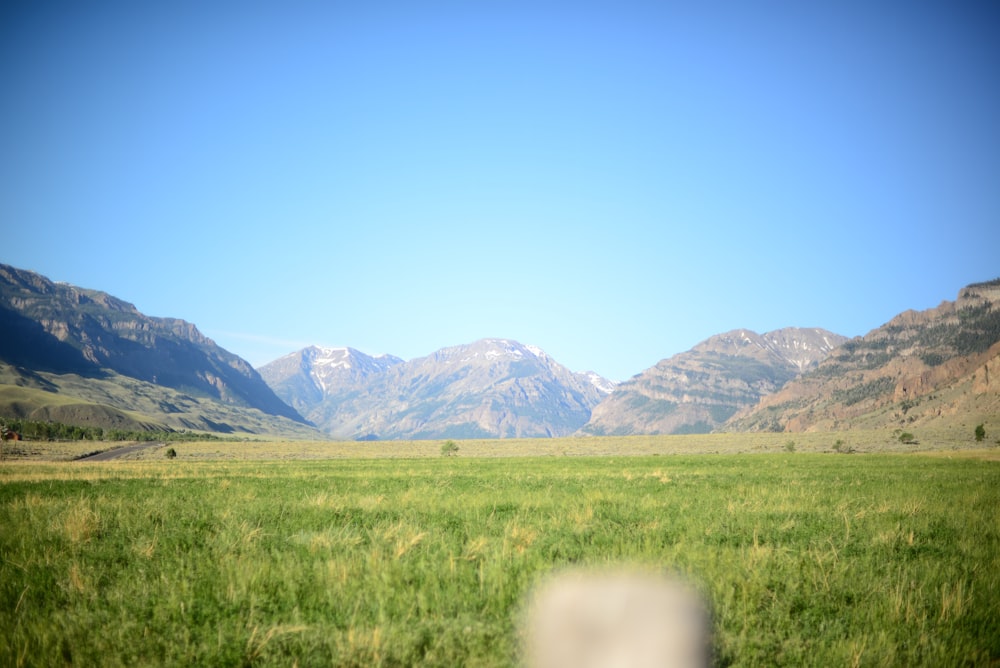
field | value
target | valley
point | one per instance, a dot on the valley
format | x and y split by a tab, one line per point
80	356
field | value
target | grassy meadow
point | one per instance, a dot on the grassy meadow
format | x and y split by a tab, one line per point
806	558
949	439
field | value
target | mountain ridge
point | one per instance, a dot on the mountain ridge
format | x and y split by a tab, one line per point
302	378
79	353
86	343
489	388
698	390
918	368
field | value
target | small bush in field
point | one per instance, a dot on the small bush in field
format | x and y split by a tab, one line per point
841	447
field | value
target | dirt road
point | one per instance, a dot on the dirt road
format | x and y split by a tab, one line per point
115	453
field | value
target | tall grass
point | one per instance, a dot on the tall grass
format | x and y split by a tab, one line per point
805	559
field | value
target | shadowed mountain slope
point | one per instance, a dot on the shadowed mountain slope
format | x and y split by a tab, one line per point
65	339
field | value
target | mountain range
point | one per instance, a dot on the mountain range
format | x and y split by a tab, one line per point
938	366
82	356
492	388
699	390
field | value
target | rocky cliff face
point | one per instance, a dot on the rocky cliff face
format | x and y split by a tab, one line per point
63	329
306	377
698	390
919	367
493	388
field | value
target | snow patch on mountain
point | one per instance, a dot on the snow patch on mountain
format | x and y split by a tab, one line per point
536	351
491	387
602	384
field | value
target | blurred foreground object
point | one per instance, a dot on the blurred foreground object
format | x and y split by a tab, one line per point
616	619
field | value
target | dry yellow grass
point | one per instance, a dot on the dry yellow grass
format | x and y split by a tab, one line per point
856	441
945	442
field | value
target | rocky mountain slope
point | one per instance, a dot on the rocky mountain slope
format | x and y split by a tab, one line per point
698	390
920	368
62	339
493	388
304	378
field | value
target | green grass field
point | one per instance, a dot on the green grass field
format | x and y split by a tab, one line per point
805	558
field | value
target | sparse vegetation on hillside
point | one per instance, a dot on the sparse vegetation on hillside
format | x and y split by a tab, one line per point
126	404
870	390
57	431
932	358
63	331
921	368
995	283
981	331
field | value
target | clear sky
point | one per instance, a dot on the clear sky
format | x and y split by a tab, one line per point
613	182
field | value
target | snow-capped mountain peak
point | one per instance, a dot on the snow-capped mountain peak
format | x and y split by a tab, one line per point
602	384
491	387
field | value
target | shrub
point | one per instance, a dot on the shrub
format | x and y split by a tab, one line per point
932	359
980	433
170	453
841	447
790	446
907	438
449	448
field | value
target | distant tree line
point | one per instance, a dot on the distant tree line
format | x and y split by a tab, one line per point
57	431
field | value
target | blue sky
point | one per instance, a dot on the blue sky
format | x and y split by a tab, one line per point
611	182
